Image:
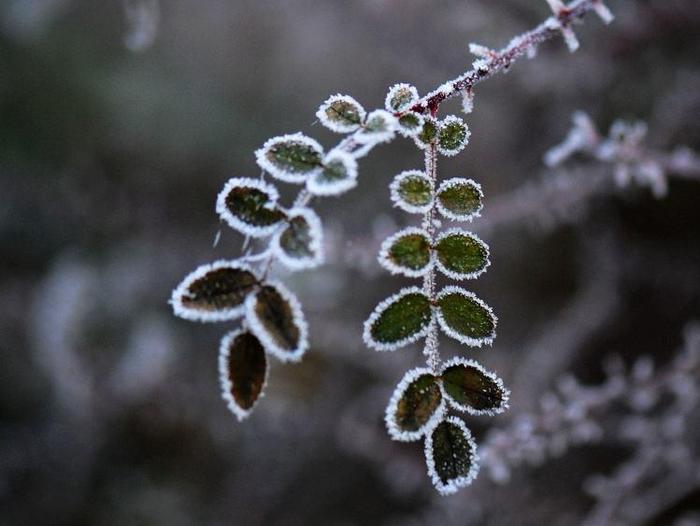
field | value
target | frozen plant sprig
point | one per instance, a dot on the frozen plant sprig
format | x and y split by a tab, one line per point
272	318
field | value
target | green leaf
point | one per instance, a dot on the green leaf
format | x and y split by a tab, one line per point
416	405
411	191
459	199
250	206
453	136
428	133
214	292
275	317
451	456
465	317
339	174
290	158
410	124
473	389
400	97
299	244
407	252
461	255
341	114
379	127
242	371
400	319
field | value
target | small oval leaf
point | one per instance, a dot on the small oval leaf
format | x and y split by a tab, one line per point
300	244
450	453
453	136
428	133
214	292
242	371
275	317
407	252
416	405
339	174
471	388
290	158
459	199
410	124
400	97
461	254
378	128
411	191
341	114
398	320
250	207
465	317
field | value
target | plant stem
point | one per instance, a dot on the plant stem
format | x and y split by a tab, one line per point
431	342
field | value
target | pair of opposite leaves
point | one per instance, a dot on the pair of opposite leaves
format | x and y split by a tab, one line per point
418	408
226	290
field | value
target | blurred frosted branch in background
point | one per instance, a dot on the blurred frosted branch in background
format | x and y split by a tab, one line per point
29	19
142	21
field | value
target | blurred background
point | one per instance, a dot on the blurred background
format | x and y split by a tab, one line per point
120	122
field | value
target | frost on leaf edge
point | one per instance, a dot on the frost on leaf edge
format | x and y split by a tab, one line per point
335	126
393	90
377	312
316	244
399	201
367	138
335	188
284	175
468	409
259	331
385	261
225	382
459	275
195	315
455	484
238	224
392	427
456	181
449	331
448	120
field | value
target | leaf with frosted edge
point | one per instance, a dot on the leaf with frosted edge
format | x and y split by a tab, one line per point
411	191
416	406
242	371
398	320
400	97
299	245
214	292
410	124
428	133
460	199
465	317
451	456
339	174
460	254
471	388
407	252
250	207
379	127
290	158
453	136
341	114
274	315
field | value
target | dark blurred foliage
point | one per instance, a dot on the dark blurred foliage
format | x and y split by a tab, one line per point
111	155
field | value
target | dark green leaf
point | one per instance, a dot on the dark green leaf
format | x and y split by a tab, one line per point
465	317
472	388
398	320
461	255
459	199
406	252
242	370
451	456
416	402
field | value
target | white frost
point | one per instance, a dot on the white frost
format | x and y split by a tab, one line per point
225	381
266	339
461	275
315	244
340	127
367	136
200	315
499	383
462	338
318	186
390	415
452	486
459	181
379	310
234	221
384	257
279	173
396	198
394	90
452	119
